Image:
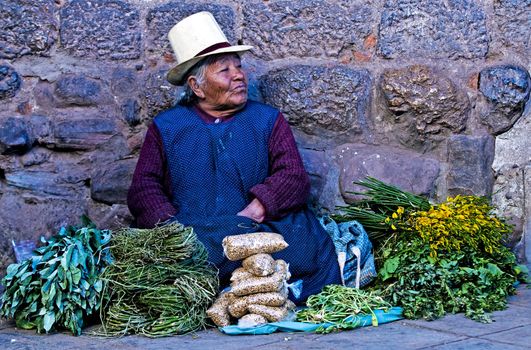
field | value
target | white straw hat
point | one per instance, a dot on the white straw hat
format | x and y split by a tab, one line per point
195	37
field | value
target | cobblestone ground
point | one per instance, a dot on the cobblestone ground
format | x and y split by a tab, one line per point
511	329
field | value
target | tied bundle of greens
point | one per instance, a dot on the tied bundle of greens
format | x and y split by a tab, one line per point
440	258
160	283
59	286
379	201
335	305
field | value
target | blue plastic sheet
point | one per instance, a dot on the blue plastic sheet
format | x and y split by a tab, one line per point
393	314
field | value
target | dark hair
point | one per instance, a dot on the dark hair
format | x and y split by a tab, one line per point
187	97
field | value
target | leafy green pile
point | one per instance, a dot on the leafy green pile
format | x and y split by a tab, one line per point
438	259
337	304
160	283
59	286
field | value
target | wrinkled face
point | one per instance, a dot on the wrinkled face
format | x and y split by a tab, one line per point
225	84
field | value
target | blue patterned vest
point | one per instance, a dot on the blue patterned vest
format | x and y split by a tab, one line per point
212	168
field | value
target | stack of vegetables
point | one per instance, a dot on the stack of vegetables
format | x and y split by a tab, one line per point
440	258
59	286
159	284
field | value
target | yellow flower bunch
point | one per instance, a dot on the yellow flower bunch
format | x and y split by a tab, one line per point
396	219
460	221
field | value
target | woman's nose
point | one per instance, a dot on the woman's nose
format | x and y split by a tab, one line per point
238	73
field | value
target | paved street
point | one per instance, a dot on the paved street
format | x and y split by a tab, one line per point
511	329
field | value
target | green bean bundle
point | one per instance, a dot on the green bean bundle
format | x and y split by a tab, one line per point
336	303
160	283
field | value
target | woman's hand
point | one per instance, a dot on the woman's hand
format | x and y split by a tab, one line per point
254	211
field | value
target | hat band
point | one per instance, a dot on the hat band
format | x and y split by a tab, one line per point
213	48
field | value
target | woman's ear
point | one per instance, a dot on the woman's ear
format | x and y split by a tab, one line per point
192	82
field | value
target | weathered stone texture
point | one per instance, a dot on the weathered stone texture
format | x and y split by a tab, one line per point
425	106
162	18
158	94
30	216
113	217
316	98
124	82
9	82
77	90
14	136
82	134
304	28
509	197
107	29
470	160
110	184
131	112
46	183
433	28
513	20
324	178
507	90
407	170
513	147
27	27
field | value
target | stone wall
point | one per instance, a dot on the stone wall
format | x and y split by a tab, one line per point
429	95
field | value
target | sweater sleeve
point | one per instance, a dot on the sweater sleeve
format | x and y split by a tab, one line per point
287	187
149	195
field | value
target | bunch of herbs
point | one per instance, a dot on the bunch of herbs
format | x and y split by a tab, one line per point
59	286
160	283
336	305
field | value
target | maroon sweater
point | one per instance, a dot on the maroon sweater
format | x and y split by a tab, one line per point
285	189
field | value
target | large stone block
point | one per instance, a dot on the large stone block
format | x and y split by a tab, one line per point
434	29
9	82
513	20
305	28
161	18
324	178
507	90
124	82
27	27
470	160
14	136
508	197
425	106
82	134
404	169
110	183
77	90
107	29
320	100
48	183
513	147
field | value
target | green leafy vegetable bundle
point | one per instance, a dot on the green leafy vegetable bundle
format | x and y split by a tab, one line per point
59	286
437	259
160	283
336	304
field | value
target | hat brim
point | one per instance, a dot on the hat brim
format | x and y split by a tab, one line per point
177	73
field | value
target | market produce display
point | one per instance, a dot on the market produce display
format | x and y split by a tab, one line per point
435	259
258	292
336	305
159	284
59	286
